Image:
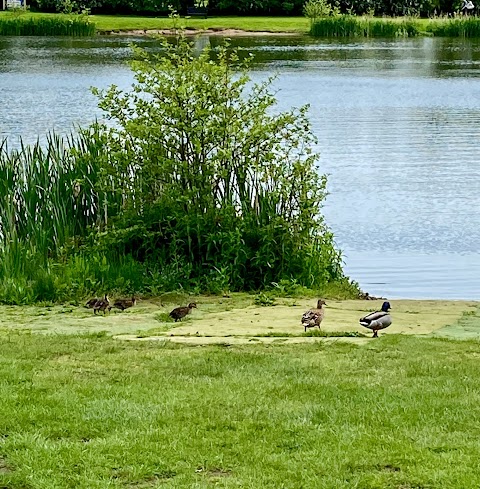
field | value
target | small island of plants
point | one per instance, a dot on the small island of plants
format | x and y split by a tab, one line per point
195	183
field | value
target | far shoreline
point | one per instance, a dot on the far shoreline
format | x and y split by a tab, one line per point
227	32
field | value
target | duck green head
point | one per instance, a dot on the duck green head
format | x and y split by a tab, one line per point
386	306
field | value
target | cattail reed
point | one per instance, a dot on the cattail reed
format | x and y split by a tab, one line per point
351	26
46	26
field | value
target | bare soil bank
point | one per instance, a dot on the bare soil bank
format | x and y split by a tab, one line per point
195	32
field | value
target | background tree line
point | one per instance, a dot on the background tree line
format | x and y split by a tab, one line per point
250	7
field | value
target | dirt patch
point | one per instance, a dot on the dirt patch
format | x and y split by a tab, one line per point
232	340
4	467
196	32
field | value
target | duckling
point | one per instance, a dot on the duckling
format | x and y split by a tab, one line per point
180	312
314	316
123	304
91	302
377	320
101	305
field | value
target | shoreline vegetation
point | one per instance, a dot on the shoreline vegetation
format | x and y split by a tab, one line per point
341	25
165	198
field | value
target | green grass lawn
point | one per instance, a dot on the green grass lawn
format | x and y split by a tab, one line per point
126	23
89	411
271	24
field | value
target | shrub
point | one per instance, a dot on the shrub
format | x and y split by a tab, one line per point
210	180
315	9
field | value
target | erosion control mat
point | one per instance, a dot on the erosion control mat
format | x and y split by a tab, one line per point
272	324
237	319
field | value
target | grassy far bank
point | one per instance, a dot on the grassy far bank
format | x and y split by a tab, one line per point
89	411
107	23
337	26
300	25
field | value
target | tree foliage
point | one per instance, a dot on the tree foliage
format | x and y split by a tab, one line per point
213	183
423	8
315	9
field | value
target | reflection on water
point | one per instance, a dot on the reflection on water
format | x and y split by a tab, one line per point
398	129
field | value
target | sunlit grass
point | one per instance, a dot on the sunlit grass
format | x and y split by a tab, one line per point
92	412
124	23
270	24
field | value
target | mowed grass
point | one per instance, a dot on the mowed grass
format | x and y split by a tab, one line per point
267	24
107	23
92	412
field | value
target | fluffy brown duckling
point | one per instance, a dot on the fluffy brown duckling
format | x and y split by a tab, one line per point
314	316
123	304
180	312
101	305
90	303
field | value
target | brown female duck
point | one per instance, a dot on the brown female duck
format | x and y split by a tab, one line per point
314	316
180	312
91	302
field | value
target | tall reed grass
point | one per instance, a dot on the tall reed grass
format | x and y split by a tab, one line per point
57	240
46	26
351	26
455	27
47	201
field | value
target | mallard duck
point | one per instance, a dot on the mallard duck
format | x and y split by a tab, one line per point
123	304
90	303
180	312
314	317
377	320
101	305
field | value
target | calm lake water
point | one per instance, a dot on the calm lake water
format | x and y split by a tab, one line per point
398	127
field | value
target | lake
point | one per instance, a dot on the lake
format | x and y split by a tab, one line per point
397	123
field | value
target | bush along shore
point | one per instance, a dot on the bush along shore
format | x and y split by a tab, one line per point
195	186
